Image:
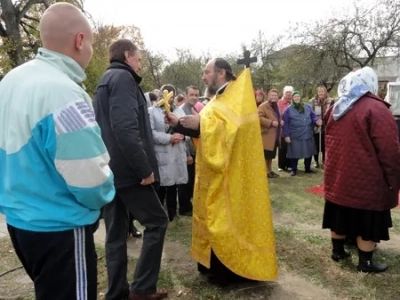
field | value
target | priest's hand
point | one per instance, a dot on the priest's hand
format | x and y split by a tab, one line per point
171	119
191	122
149	180
287	139
319	122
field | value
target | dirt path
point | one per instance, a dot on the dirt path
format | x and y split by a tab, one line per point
288	221
176	258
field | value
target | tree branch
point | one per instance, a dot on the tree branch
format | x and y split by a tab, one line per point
31	18
3	32
26	31
28	6
30	26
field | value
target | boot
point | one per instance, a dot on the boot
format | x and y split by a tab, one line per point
159	295
366	265
338	252
133	231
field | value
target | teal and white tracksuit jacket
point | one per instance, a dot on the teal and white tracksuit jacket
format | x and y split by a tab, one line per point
54	172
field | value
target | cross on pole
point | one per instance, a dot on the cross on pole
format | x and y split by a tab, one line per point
246	60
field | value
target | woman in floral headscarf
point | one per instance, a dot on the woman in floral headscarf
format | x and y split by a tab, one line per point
298	130
359	196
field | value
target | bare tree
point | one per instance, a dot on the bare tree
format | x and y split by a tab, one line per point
184	71
265	49
358	38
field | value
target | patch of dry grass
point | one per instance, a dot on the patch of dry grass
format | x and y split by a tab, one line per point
303	251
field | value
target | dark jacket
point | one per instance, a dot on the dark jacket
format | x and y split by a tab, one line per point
362	166
121	112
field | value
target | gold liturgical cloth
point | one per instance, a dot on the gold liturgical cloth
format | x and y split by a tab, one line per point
232	210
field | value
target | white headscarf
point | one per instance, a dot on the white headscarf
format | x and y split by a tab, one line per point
352	87
288	88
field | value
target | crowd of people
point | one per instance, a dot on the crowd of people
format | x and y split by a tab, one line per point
68	160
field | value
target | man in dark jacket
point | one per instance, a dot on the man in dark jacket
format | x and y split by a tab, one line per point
185	191
121	112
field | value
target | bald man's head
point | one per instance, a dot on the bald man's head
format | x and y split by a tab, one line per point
65	29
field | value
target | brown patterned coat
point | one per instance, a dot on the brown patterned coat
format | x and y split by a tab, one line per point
267	115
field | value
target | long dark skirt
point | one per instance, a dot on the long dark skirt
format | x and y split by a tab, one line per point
370	225
219	274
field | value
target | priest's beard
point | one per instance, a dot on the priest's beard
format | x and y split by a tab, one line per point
212	87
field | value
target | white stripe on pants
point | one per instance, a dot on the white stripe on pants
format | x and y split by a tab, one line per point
80	264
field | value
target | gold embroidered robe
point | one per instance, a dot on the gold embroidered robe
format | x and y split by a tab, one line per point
231	206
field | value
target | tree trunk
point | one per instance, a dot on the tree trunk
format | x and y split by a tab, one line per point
10	16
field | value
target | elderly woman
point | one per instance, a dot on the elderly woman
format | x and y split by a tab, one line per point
320	104
359	196
171	156
260	95
298	131
271	128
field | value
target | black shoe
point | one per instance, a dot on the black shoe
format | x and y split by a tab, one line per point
340	256
370	267
310	171
366	265
134	232
187	214
202	269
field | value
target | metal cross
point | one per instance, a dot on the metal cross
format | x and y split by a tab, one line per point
246	60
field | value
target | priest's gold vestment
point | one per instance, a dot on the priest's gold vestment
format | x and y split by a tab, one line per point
231	206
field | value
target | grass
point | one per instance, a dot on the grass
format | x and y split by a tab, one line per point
303	254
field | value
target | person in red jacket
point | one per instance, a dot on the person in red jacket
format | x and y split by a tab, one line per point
362	168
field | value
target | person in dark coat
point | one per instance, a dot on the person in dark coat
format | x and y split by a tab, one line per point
121	111
359	196
185	191
298	130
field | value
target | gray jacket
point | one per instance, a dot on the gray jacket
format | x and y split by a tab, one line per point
172	158
187	109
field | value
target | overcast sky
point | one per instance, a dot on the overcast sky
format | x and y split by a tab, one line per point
218	26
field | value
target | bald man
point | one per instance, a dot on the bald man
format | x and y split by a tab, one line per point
54	175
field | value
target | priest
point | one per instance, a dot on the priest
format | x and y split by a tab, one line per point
233	237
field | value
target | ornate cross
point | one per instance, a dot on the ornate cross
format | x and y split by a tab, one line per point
165	101
246	60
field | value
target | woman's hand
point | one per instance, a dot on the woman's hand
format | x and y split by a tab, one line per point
176	138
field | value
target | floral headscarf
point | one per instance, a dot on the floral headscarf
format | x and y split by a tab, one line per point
352	87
